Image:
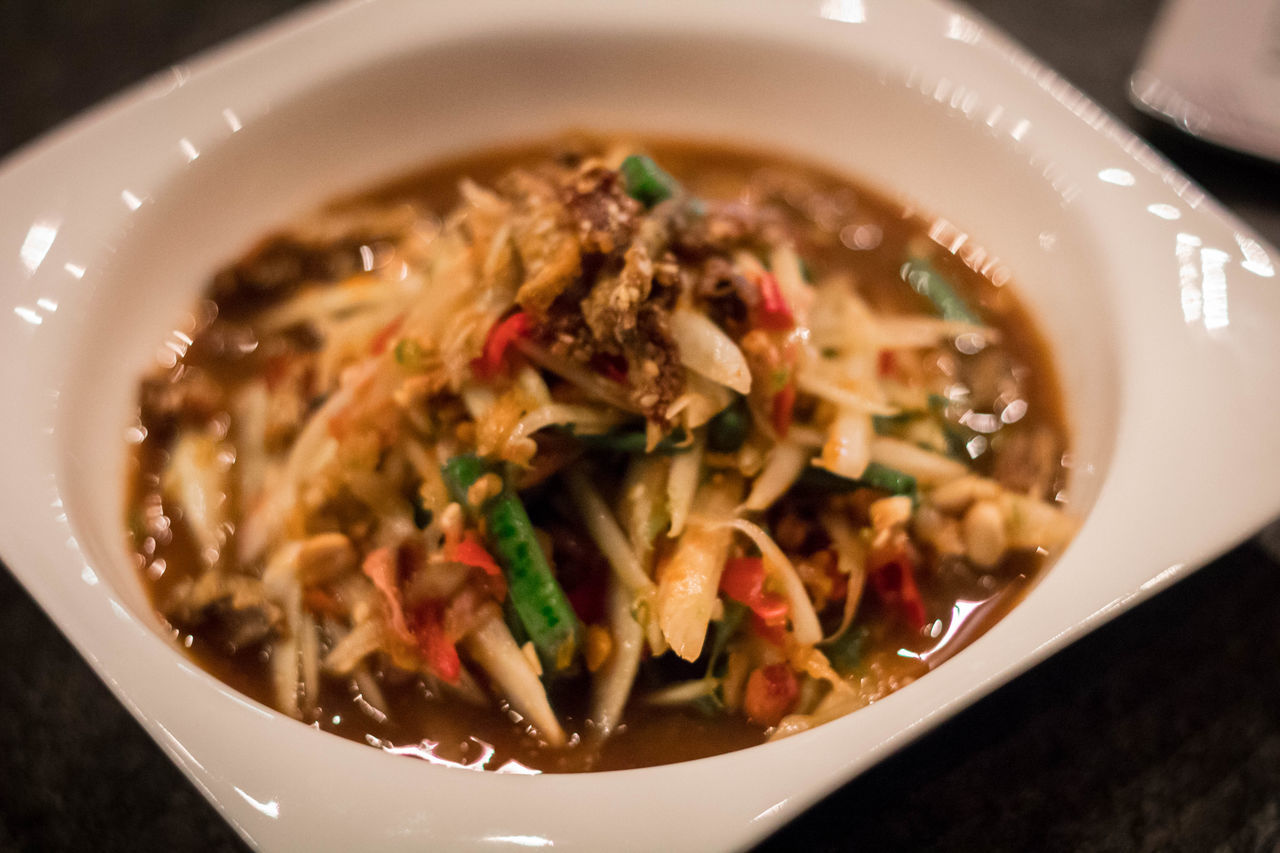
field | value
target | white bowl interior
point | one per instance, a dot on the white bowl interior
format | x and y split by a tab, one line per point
940	147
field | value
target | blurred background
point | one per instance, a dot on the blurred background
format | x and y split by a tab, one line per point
1158	732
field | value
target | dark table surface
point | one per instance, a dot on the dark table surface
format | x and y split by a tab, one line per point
1161	731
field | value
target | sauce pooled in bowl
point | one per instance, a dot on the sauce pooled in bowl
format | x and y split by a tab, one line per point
597	454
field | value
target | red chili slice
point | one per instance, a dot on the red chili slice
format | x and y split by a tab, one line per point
439	652
886	362
383	338
493	359
470	552
611	367
891	571
784	403
773	313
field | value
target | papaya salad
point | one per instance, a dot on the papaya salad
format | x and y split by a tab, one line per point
596	453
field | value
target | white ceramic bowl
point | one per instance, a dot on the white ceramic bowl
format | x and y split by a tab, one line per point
1162	309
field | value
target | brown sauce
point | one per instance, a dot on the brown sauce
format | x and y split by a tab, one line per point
844	226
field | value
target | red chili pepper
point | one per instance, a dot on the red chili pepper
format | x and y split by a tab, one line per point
886	362
775	634
773	312
439	652
492	359
743	581
470	552
611	367
771	694
383	338
784	403
891	571
497	586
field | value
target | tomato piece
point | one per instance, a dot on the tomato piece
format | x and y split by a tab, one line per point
776	634
743	581
743	578
439	652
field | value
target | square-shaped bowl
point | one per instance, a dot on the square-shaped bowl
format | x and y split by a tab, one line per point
1162	311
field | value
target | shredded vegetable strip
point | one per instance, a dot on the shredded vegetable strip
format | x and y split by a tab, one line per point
613	682
250	414
683	692
786	462
608	536
682	485
848	447
689	578
928	468
492	646
804	620
593	384
348	652
707	350
309	654
311	451
851	560
584	419
604	529
815	381
195	480
370	694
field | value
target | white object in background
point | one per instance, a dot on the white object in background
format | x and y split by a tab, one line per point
1213	69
